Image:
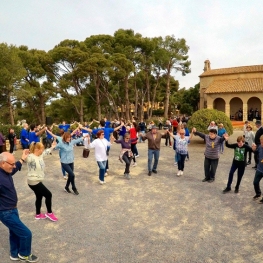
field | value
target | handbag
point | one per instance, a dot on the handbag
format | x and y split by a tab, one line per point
85	153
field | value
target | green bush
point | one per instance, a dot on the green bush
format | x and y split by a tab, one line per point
202	118
5	129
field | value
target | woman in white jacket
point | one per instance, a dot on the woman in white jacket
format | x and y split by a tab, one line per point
100	144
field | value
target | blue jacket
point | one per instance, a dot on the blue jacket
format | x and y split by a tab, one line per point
66	151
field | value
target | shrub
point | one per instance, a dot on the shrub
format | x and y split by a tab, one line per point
202	118
5	129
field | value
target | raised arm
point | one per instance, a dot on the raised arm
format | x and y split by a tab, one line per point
52	134
40	132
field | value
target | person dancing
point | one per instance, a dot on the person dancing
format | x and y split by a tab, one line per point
35	177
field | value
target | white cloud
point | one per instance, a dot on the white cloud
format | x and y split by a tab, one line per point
226	32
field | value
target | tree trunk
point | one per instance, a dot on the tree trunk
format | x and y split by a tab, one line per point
10	107
148	93
153	97
42	109
127	102
97	85
167	94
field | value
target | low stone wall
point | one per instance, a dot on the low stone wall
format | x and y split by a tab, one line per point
18	145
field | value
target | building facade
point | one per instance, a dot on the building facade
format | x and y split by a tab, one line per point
236	91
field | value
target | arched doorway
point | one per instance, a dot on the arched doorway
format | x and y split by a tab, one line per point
219	104
236	109
254	108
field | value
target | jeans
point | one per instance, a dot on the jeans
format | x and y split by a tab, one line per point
102	166
69	168
20	237
127	161
40	190
140	137
258	177
221	149
25	146
210	166
240	173
168	140
151	154
134	150
180	162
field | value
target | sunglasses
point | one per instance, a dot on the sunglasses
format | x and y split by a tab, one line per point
181	133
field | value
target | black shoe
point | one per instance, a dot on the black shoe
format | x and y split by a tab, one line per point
226	190
67	190
205	180
256	196
211	180
75	191
236	190
154	171
261	201
254	167
150	173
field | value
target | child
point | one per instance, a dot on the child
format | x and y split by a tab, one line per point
35	177
212	142
239	161
249	140
221	132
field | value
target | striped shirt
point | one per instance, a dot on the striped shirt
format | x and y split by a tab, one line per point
212	145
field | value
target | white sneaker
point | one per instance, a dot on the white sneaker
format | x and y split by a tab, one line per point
134	164
65	177
136	156
182	173
179	173
105	174
102	182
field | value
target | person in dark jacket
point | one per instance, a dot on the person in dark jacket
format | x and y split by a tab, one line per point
239	162
20	236
2	142
11	137
259	132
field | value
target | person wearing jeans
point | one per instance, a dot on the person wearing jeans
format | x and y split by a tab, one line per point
100	145
20	237
65	147
154	142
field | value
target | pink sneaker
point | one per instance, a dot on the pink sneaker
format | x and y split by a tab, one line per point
51	216
40	216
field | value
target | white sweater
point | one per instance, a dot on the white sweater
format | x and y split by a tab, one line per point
100	146
36	167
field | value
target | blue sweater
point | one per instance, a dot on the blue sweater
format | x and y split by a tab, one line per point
23	136
8	196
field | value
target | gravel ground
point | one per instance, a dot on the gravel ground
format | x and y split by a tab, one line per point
162	218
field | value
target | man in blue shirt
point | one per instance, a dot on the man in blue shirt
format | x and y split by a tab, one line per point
34	134
64	126
24	137
20	236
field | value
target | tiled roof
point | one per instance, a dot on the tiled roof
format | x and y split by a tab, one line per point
235	85
235	70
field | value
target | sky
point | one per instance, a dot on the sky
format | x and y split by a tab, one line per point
227	32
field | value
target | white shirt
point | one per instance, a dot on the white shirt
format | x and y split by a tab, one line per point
100	146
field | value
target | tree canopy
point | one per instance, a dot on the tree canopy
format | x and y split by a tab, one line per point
124	74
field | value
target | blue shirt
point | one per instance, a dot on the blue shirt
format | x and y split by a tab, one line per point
24	136
33	137
8	195
107	132
66	151
107	124
221	132
64	127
